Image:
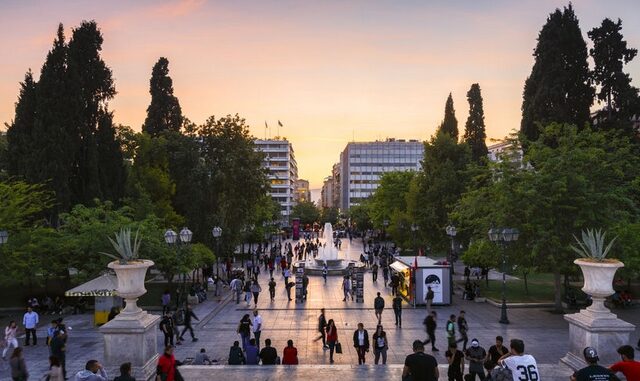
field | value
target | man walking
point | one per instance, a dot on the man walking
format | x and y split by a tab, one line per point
361	343
429	298
166	326
378	305
431	325
455	358
257	327
419	365
463	328
188	314
397	310
374	272
346	288
451	330
272	289
322	328
385	273
30	322
236	286
395	281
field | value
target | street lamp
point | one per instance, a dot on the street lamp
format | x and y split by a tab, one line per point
504	236
414	230
451	232
217	232
385	224
171	238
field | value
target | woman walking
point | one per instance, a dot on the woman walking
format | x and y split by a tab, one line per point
18	367
380	345
10	333
255	290
332	338
244	329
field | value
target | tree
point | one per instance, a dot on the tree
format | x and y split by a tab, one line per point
111	169
307	212
329	215
19	133
359	216
474	132
390	196
558	88
164	112
22	205
450	124
610	54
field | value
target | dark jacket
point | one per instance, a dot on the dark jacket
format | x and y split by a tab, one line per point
18	368
430	324
322	323
397	303
356	342
188	314
236	357
378	303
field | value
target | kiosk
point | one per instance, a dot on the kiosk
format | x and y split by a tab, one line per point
414	280
103	288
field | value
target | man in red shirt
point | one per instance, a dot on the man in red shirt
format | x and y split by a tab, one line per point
628	367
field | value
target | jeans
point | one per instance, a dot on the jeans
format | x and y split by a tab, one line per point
332	347
187	327
256	334
455	374
361	354
238	293
380	351
272	294
31	332
255	297
464	338
168	338
432	339
247	297
245	340
398	314
472	375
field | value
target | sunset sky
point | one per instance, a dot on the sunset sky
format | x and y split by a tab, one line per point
331	71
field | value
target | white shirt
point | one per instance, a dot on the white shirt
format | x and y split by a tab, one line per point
257	323
361	338
522	367
30	320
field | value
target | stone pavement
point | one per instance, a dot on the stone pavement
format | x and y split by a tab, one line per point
545	334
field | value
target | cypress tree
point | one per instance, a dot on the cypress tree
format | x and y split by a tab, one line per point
610	53
450	124
558	88
19	134
474	133
111	169
164	112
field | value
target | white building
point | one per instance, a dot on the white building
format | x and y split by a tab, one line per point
280	162
363	163
499	150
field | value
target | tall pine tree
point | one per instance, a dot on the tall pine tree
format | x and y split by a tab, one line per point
474	132
19	134
558	88
610	53
111	169
164	112
450	124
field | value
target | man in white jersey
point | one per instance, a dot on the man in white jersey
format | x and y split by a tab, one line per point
523	367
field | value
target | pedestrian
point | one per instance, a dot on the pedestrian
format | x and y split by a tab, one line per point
430	323
395	282
455	358
380	345
378	305
419	365
385	274
236	357
397	310
268	355
288	287
627	365
325	271
167	328
30	321
361	343
463	328
305	286
286	274
167	365
429	298
188	315
247	291
592	371
374	272
476	356
495	353
165	299
236	286
55	370
290	354
451	329
322	324
346	288
51	331
217	283
93	371
255	290
10	338
251	353
18	367
332	338
257	327
517	362
272	289
125	373
58	350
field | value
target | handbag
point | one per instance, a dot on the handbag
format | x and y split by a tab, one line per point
338	347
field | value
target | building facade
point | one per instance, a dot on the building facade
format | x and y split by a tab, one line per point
363	163
326	194
302	194
282	168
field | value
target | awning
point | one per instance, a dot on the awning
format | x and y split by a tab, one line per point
104	285
399	266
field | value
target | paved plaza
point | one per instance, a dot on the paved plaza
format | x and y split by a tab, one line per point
545	334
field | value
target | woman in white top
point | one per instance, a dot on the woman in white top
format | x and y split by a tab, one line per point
380	345
10	333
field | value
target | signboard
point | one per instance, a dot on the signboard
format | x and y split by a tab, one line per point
296	228
433	277
299	275
359	285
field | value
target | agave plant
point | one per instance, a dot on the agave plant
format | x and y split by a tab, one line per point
592	245
123	246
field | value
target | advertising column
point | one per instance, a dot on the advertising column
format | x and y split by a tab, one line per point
359	284
299	275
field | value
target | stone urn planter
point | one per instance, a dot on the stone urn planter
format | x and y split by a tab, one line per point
598	280
131	278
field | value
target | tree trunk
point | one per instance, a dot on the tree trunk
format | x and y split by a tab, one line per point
557	278
525	275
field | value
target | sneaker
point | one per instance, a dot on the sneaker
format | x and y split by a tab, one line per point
331	361
325	347
435	350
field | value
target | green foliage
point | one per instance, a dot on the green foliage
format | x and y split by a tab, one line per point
127	251
450	124
329	215
307	212
390	196
164	112
558	88
23	205
474	131
482	253
19	140
627	248
360	216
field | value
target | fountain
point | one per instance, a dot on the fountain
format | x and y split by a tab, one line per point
327	254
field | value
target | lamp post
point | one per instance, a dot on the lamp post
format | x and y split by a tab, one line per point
217	232
385	224
503	236
414	231
451	232
171	238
